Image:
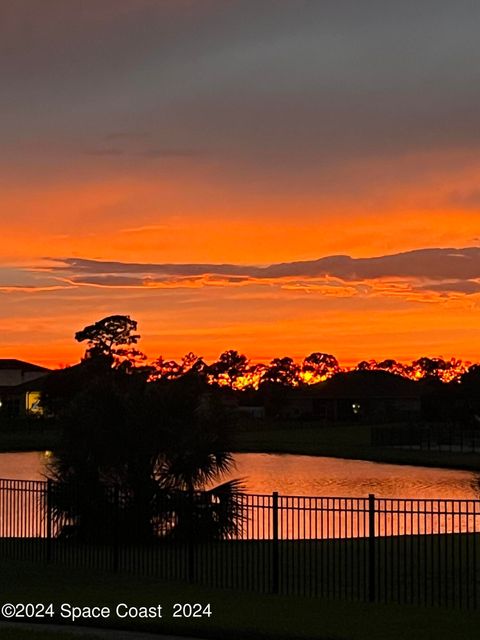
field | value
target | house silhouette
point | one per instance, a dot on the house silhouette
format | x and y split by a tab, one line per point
20	387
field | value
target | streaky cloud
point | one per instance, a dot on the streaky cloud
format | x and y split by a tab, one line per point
436	264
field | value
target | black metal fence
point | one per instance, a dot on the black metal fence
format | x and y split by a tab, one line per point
417	551
448	437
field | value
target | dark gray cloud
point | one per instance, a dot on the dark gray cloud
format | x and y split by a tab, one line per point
467	287
446	264
424	274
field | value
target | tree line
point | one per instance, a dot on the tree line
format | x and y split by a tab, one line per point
115	339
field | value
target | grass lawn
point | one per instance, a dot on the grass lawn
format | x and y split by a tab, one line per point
431	569
21	634
29	440
235	614
340	441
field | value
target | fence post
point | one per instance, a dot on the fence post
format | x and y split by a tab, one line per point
275	551
49	520
190	537
371	548
116	527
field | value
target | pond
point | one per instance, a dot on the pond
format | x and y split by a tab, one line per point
308	476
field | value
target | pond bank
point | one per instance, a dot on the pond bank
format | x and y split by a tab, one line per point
352	442
29	440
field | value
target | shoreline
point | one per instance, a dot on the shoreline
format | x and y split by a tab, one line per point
381	458
347	442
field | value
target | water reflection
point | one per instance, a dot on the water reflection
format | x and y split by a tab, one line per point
28	465
313	476
308	476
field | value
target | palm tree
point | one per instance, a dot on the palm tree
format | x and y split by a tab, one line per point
144	457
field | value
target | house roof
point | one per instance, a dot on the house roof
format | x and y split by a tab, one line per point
366	384
20	365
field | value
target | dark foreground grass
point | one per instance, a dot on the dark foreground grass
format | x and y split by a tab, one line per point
29	440
341	441
235	614
22	634
434	570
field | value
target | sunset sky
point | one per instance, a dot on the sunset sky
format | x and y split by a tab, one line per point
274	176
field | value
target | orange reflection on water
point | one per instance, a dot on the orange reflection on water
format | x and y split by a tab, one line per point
336	477
293	475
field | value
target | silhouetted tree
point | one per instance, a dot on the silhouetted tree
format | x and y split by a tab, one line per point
472	377
192	363
229	367
254	375
320	365
392	366
282	371
111	339
366	365
166	369
430	368
387	365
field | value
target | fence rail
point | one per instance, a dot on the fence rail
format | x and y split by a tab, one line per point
416	551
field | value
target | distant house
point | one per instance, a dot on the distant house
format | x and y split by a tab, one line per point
251	411
20	387
358	396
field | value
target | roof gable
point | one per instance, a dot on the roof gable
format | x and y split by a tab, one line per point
20	365
366	384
